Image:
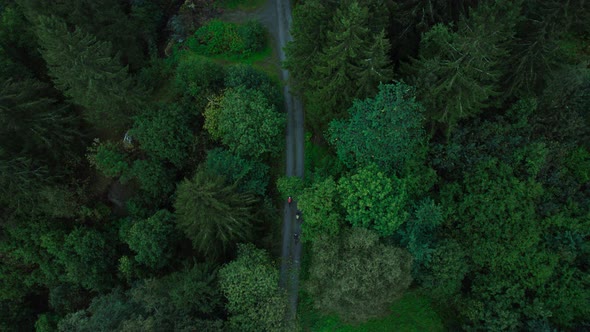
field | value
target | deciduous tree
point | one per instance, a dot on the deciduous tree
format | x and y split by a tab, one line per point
246	122
251	285
357	277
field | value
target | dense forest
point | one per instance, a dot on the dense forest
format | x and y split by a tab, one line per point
447	165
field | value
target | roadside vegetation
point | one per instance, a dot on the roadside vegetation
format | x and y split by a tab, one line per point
447	166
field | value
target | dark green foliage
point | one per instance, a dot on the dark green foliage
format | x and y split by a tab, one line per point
357	277
457	72
342	55
212	214
218	37
83	69
419	233
20	182
341	66
182	301
511	213
311	20
198	76
156	180
373	200
320	206
105	313
34	125
246	122
108	158
152	239
250	284
86	255
164	132
251	78
386	130
107	20
249	176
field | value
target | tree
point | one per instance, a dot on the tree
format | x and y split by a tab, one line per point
319	205
357	277
164	133
213	214
374	66
107	20
185	300
152	239
251	285
83	69
457	73
246	122
86	256
31	124
251	78
249	176
373	200
334	76
311	20
386	130
198	77
419	233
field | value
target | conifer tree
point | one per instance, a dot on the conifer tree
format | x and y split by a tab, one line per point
335	74
34	125
82	68
213	214
458	72
311	20
374	67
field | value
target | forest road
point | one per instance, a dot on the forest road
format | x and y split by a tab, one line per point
276	16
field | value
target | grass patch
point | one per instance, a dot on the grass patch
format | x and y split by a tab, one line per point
244	5
412	313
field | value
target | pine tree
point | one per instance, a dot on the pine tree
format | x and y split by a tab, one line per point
374	67
82	68
311	20
34	125
457	73
213	214
105	19
335	74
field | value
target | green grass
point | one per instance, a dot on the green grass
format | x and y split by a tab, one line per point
245	5
412	313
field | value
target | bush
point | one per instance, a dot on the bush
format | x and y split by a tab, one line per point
198	76
251	78
219	37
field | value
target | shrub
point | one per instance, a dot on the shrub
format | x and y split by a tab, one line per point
219	37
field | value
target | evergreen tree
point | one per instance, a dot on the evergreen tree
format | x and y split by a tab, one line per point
213	214
34	125
311	21
82	68
457	73
374	67
336	70
105	19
